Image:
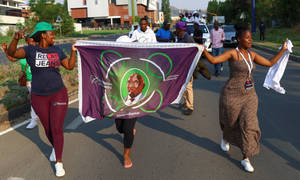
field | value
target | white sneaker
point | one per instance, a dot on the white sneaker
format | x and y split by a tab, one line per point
33	123
59	169
247	165
52	157
224	145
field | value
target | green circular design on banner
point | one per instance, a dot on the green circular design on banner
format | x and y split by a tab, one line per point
115	52
124	92
115	98
169	59
161	100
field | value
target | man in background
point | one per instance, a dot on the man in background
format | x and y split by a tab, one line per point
217	37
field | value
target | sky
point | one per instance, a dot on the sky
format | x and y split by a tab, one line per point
181	4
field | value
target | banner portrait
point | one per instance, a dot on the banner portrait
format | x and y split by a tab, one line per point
127	80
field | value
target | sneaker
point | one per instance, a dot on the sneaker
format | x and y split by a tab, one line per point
59	169
52	157
224	145
33	123
247	165
188	112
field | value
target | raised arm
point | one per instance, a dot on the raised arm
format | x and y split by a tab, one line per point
218	59
12	49
69	63
264	62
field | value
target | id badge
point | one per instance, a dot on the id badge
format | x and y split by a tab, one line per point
248	85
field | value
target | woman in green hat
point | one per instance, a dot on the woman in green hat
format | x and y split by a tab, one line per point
49	96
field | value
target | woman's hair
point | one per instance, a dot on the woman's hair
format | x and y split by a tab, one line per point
240	29
37	36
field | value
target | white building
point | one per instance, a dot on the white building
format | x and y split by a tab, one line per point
109	11
10	14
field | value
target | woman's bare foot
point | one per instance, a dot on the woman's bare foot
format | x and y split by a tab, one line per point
127	160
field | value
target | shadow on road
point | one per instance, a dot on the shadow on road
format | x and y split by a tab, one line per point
92	129
168	128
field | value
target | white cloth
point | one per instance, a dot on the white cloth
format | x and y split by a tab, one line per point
144	37
276	72
128	101
124	38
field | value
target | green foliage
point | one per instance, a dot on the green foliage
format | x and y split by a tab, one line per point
165	7
48	11
10	32
284	12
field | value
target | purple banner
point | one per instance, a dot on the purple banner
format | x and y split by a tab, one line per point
126	80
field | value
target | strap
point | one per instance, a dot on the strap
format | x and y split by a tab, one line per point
250	66
25	67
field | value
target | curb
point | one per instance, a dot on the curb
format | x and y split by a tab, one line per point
271	51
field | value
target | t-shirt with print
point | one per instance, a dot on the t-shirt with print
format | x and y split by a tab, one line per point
44	63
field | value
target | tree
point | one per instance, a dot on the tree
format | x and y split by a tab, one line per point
287	12
48	11
165	7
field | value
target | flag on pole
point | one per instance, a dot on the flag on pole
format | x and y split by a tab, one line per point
128	80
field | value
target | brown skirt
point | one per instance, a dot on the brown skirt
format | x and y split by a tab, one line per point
238	120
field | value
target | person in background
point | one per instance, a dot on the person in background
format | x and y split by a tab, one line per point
188	95
181	17
238	101
49	96
144	33
197	34
217	37
29	41
189	17
262	29
133	28
195	18
164	33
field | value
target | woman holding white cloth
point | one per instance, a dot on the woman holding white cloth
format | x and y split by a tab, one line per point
238	100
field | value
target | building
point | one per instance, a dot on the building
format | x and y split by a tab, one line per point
10	14
110	12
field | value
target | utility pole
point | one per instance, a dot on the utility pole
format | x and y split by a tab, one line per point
132	11
253	23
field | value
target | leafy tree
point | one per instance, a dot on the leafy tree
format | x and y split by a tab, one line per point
48	11
165	7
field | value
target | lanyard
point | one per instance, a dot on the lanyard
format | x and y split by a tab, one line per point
249	66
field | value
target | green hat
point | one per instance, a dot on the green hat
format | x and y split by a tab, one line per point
42	26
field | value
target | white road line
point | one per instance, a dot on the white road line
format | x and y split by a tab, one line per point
15	178
25	122
75	123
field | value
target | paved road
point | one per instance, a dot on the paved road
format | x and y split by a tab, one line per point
168	145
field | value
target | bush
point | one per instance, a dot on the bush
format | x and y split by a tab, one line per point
10	32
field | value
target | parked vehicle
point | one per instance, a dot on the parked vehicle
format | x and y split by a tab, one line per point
230	35
206	35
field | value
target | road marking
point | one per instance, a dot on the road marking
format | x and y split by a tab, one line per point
75	123
15	178
25	122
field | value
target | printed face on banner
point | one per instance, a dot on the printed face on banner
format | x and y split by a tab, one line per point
130	84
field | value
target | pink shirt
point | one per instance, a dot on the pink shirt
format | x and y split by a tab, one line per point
216	37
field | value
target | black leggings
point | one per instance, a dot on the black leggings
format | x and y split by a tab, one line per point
126	127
